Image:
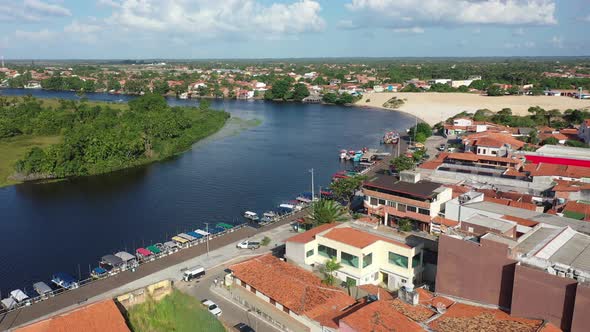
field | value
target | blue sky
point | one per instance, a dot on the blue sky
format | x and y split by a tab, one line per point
106	29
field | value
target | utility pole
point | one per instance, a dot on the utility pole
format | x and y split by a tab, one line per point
207	230
312	185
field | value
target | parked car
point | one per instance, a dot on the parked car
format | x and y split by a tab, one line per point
442	147
241	327
247	244
212	307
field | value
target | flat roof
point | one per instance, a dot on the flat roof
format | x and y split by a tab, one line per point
483	221
580	226
575	252
537	239
563	151
422	188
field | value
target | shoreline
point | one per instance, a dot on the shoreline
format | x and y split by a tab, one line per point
433	107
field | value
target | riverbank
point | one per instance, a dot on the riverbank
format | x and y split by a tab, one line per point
432	107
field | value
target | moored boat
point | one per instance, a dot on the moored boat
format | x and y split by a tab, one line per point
64	280
251	216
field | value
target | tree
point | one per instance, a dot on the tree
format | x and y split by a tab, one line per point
405	224
330	98
421	128
345	189
345	98
533	137
329	268
550	141
421	137
411	88
327	211
161	87
481	115
576	144
300	91
478	85
495	91
280	88
402	163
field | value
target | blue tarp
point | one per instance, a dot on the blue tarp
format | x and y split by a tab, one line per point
63	278
194	234
99	271
217	230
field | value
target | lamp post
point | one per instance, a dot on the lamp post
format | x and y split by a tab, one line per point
207	230
312	185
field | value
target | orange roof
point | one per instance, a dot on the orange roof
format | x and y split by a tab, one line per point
548	327
445	221
569	131
384	294
543	169
521	221
463	317
575	186
309	236
427	298
574	206
380	316
431	164
458	190
295	288
493	139
99	317
411	215
358	239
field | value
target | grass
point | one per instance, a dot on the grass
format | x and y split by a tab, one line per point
14	148
175	312
54	102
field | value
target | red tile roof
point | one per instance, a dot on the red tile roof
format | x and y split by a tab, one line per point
379	316
309	236
99	317
445	221
358	239
467	318
384	294
493	139
295	288
521	221
427	298
570	186
543	169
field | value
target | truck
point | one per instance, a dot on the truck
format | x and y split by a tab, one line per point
193	273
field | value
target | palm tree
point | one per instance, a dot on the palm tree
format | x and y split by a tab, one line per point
326	211
330	267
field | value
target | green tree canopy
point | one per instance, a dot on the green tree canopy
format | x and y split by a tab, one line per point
327	211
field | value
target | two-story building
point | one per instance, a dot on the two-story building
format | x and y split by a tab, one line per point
366	257
391	199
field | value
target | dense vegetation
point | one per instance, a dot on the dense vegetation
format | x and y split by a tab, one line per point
175	312
103	138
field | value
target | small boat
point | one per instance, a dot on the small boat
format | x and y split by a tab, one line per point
42	288
155	250
143	253
129	260
268	216
187	237
195	235
202	232
391	137
183	95
64	280
343	154
110	262
19	296
171	246
98	273
8	303
286	208
326	194
251	215
224	225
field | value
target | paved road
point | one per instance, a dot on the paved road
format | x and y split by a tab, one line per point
148	273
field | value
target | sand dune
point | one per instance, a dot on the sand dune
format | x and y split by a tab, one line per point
434	107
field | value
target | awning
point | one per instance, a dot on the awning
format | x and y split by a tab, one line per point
202	232
143	252
8	303
187	237
224	225
125	256
112	260
195	235
154	249
41	288
19	295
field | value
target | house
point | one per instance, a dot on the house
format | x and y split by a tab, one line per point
440	81
298	294
99	316
378	88
366	257
492	144
584	131
391	200
379	316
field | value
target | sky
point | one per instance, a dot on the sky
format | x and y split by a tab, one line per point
201	29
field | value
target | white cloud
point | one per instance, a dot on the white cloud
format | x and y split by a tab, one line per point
416	30
212	18
49	9
408	13
43	35
82	28
557	41
526	44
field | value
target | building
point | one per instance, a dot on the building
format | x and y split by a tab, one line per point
291	290
99	317
378	316
492	144
584	131
560	155
391	199
366	257
440	81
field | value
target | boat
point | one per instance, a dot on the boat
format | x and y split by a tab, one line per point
9	303
171	246
286	208
19	296
195	235
327	194
183	95
64	280
224	225
143	253
343	154
187	237
391	137
42	288
251	215
129	260
98	273
269	216
155	250
110	262
216	230
202	232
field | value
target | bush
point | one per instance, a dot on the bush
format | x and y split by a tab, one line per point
265	241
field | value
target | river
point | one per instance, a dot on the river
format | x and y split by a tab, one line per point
67	226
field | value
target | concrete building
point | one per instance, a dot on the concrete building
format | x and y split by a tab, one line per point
390	199
366	257
584	131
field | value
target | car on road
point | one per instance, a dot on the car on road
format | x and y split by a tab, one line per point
212	307
442	147
247	244
241	327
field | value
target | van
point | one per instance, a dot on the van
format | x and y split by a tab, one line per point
193	273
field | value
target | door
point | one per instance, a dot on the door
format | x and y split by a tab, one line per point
385	278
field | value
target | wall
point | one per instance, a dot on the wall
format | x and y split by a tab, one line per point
581	319
155	291
295	252
477	272
554	303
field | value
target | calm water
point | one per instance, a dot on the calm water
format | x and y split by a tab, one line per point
54	227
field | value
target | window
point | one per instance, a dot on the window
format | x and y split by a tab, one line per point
367	260
401	207
309	253
478	150
424	212
495	152
381	202
327	251
367	198
348	259
398	260
412	208
416	260
391	203
373	201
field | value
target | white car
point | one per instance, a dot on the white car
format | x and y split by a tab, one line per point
247	244
212	307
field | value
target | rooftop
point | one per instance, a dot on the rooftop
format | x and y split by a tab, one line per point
380	316
501	225
563	151
357	238
99	317
310	235
295	288
423	189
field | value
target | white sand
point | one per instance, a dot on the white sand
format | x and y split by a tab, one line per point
434	107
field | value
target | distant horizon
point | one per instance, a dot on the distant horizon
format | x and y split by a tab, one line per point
282	29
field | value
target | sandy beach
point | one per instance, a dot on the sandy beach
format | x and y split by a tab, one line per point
434	107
